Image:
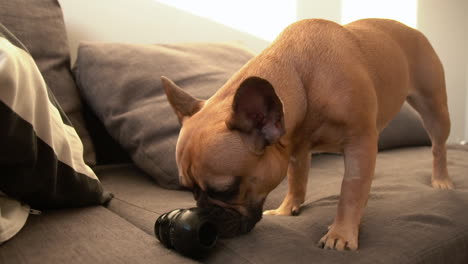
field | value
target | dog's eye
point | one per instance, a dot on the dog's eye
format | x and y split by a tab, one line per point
224	195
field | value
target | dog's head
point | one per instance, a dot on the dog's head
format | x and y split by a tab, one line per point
229	151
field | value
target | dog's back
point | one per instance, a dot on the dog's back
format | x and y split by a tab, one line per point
397	61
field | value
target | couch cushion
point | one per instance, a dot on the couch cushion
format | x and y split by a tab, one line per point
136	188
405	130
141	201
121	83
40	27
85	235
406	220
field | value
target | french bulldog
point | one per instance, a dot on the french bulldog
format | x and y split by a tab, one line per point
319	87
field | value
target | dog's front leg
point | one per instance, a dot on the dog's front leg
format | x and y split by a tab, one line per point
298	172
359	155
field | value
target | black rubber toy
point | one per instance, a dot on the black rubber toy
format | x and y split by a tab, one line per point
192	232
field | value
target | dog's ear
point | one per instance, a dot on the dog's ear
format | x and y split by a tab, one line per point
258	112
184	104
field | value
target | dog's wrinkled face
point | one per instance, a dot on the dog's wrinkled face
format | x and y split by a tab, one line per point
230	155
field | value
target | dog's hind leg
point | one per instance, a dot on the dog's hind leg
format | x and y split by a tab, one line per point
429	98
434	114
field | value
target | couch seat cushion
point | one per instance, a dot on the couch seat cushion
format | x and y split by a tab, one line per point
86	235
406	220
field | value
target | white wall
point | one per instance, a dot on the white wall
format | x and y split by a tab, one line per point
330	9
144	21
445	23
466	103
149	21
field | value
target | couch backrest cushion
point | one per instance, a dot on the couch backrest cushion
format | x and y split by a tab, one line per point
405	130
39	25
121	83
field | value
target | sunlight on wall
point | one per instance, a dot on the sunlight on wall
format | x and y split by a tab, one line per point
264	19
404	11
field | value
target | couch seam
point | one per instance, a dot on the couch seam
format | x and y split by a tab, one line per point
130	222
136	206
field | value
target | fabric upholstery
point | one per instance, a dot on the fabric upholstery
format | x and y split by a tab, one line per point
13	216
41	155
406	220
121	83
84	235
405	130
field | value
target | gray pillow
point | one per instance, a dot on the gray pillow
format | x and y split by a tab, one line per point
40	27
121	83
405	130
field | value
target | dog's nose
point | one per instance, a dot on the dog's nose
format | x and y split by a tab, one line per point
202	200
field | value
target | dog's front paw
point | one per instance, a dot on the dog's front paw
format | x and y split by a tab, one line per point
340	238
284	210
289	206
443	184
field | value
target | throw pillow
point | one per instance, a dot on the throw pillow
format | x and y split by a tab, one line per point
405	130
39	25
121	83
41	155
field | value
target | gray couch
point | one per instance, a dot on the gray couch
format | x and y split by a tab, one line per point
406	220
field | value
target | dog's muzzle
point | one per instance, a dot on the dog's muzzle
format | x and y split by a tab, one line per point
231	223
